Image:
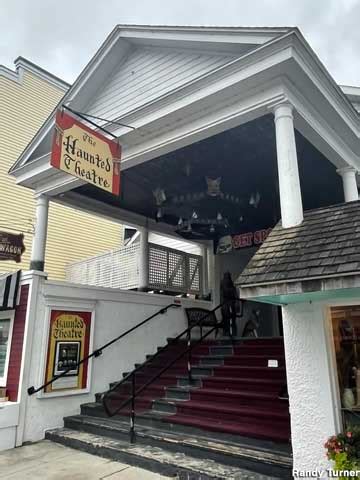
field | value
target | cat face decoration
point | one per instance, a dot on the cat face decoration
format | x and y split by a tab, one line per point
213	186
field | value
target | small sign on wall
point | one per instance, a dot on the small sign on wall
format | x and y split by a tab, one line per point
69	341
11	246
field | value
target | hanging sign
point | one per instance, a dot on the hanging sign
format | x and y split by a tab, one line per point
11	246
243	240
69	339
85	153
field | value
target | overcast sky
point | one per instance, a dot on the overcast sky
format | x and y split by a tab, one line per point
62	35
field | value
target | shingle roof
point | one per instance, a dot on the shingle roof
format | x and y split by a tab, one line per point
327	243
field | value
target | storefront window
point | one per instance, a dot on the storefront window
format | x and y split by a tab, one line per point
346	333
5	338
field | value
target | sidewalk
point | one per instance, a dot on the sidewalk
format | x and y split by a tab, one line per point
51	461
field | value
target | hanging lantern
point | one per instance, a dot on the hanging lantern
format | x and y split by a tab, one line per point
189	229
219	217
180	222
194	215
212	228
159	213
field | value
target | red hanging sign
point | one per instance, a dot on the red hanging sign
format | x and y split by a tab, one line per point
85	153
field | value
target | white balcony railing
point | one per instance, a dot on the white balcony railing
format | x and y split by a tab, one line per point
169	269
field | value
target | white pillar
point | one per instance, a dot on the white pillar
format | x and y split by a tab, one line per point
289	182
348	175
144	259
39	241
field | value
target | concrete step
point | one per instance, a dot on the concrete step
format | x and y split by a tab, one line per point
257	458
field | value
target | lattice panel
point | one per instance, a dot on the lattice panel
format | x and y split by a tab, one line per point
115	269
158	267
174	270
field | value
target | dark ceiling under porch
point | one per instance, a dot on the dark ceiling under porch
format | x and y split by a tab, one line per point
245	160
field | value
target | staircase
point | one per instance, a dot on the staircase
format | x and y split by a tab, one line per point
227	422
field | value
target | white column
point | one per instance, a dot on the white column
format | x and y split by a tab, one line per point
144	259
348	175
39	241
289	182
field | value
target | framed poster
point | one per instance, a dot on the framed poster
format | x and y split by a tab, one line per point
68	343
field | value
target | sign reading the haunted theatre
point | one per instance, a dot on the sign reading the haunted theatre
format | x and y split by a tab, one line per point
86	154
69	339
11	246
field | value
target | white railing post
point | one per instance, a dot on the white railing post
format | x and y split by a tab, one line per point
144	259
204	270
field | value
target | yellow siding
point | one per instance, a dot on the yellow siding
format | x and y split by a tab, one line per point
72	235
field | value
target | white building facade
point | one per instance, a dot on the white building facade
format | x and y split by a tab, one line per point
254	107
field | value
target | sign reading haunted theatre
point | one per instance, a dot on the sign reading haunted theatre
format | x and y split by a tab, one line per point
11	246
86	154
69	341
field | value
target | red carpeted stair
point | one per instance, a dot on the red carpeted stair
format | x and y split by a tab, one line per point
234	390
228	418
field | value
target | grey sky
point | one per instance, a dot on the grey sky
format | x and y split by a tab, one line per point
62	35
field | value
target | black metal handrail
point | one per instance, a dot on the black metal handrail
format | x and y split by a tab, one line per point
96	353
131	375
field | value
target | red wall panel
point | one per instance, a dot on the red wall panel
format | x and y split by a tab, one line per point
13	377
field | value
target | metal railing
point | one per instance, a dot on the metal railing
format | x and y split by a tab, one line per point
107	397
96	353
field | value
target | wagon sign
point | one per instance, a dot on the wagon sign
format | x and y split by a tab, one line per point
86	153
11	246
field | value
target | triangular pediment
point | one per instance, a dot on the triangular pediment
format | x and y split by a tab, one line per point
149	74
138	65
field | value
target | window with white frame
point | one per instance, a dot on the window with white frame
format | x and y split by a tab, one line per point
6	325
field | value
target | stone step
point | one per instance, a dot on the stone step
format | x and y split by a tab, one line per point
242	455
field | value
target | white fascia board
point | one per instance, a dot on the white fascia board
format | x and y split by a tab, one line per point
353	93
191	36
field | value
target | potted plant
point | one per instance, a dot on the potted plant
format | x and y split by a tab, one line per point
344	450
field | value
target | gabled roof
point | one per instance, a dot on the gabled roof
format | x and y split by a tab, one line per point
291	60
326	244
111	54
